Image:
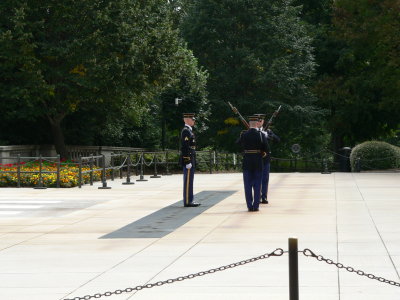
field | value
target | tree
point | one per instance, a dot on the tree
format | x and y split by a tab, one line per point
258	54
362	88
59	57
191	90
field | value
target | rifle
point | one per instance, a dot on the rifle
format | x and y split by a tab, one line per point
235	110
271	119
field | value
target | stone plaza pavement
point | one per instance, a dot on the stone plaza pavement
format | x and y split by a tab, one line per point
65	243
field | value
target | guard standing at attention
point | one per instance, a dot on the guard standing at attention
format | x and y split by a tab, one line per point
254	145
271	137
188	159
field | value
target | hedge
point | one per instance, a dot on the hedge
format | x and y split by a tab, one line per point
375	155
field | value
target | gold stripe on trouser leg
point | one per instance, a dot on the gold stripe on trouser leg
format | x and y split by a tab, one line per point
187	185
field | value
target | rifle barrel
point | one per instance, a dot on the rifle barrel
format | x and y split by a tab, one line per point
236	111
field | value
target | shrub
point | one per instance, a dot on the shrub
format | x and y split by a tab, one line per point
375	155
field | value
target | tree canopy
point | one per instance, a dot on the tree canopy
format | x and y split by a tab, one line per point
361	89
259	55
60	57
108	71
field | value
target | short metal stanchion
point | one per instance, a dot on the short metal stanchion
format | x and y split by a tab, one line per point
211	161
358	164
40	182
58	171
91	161
120	169
103	175
18	170
112	166
80	172
137	164
128	171
141	169
155	168
167	173
293	270
325	166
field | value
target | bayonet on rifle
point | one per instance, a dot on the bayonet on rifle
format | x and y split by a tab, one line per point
235	110
272	118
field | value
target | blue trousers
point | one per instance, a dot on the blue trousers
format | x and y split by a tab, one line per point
188	177
265	180
252	188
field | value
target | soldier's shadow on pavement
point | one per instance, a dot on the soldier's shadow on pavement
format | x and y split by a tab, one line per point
168	219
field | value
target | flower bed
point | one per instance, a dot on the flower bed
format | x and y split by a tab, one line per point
69	174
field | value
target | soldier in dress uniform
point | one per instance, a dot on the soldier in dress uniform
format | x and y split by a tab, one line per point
271	136
188	159
254	145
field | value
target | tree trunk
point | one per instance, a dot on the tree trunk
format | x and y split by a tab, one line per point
58	137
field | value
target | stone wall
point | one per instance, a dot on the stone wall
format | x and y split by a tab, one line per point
8	154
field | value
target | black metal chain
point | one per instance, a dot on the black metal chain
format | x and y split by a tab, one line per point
309	253
276	252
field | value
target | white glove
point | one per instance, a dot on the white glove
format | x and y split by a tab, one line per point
189	166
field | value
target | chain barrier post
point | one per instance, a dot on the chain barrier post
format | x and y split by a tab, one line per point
80	172
293	270
112	166
19	170
155	167
122	166
141	168
128	171
137	165
325	164
167	173
211	161
103	175
358	165
58	171
91	161
40	182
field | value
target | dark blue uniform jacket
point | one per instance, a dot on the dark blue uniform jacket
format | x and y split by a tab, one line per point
188	147
255	145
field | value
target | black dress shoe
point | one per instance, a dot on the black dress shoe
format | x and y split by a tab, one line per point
255	209
264	201
250	209
193	204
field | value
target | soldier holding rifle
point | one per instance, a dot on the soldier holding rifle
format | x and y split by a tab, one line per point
254	145
271	136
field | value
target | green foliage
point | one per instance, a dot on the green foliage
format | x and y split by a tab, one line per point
107	59
362	87
191	88
375	155
258	55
